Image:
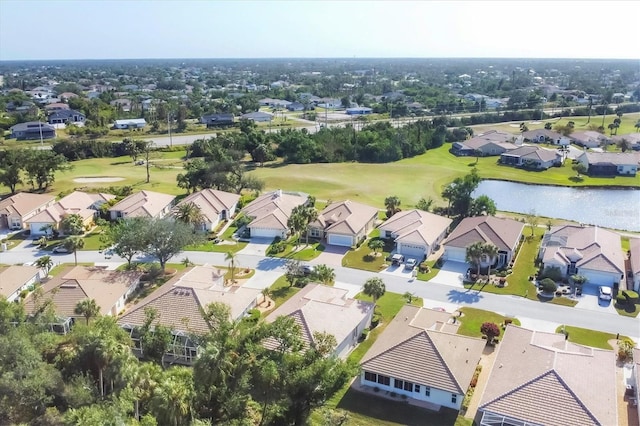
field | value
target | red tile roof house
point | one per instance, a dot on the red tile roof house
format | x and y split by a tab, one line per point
501	232
420	356
214	205
15	210
143	204
17	278
416	233
344	223
270	212
592	252
110	290
179	304
319	308
81	203
542	379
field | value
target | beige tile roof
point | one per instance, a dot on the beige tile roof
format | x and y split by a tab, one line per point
496	136
180	301
143	204
319	308
77	202
14	277
82	282
502	232
534	153
416	226
345	217
590	247
540	378
24	203
273	209
634	248
415	348
617	158
211	202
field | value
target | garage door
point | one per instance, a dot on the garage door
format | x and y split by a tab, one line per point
456	254
599	278
340	240
413	251
264	233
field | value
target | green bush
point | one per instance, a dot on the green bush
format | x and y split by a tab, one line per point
253	316
548	285
631	294
153	271
552	272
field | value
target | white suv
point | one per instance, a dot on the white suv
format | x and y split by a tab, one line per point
605	292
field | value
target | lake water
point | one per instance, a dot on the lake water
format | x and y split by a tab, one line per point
607	207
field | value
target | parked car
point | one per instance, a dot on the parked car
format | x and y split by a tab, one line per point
605	292
60	249
397	259
410	264
307	269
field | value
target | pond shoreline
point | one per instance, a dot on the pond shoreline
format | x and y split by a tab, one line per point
616	187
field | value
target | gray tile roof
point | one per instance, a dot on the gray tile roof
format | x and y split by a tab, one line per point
502	232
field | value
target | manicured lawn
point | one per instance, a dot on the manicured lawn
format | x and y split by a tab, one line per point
433	271
56	270
280	292
303	252
627	310
473	318
583	336
92	240
211	247
362	258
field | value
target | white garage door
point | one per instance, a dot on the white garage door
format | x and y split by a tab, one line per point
412	251
265	233
340	240
456	254
599	278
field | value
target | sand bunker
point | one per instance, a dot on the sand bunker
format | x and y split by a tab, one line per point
97	179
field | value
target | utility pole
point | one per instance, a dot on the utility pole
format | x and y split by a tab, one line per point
169	125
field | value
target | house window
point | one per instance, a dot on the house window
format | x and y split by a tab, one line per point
384	380
416	388
370	377
408	386
454	398
398	384
427	391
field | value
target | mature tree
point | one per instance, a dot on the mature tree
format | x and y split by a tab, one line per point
45	263
191	214
172	402
301	217
458	193
128	237
166	238
490	330
392	204
613	128
474	254
323	273
293	271
72	224
547	126
154	337
482	206
261	154
579	168
624	145
12	161
375	244
232	258
375	288
490	252
88	308
73	244
425	204
41	166
134	148
532	220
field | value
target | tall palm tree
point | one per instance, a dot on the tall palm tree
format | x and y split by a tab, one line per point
46	263
392	204
491	251
191	214
232	258
74	244
375	288
474	254
310	214
88	308
324	274
172	400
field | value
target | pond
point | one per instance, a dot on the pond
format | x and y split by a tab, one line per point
607	207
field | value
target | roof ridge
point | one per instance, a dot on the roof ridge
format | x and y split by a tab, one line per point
568	388
448	369
299	313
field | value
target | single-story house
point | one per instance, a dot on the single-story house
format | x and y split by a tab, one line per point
18	208
123	104
180	303
634	262
416	233
532	157
540	378
610	163
258	116
110	290
17	278
420	356
589	251
297	106
32	130
143	204
489	143
319	308
214	206
632	138
501	232
344	223
57	106
275	103
358	111
67	116
130	123
589	139
217	120
544	135
81	203
270	212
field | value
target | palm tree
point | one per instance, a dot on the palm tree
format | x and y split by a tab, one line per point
88	308
375	244
324	274
547	126
637	126
474	254
173	397
589	107
73	244
310	215
375	288
46	263
624	145
392	205
491	251
232	258
265	293
142	379
190	214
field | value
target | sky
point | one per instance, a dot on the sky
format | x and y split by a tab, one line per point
95	29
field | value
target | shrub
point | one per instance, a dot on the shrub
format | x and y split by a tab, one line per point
364	335
548	285
620	299
552	272
375	320
253	316
153	271
632	295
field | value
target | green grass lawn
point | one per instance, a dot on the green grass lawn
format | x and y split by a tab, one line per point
627	310
362	258
280	291
56	270
473	318
304	252
92	240
593	338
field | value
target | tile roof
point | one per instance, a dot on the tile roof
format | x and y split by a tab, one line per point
144	203
23	203
86	282
534	153
273	209
211	202
416	226
180	301
533	368
77	202
502	232
345	217
590	247
418	346
617	158
14	277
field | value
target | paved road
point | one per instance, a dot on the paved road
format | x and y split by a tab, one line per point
434	292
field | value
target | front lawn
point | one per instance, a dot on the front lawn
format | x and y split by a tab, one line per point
364	258
92	240
226	245
433	271
303	252
473	318
593	338
280	291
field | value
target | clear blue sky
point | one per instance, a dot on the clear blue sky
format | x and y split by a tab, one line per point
94	29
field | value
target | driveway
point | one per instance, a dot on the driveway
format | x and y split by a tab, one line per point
263	279
398	271
257	247
590	301
331	256
451	274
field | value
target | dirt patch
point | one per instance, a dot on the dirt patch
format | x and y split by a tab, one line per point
99	179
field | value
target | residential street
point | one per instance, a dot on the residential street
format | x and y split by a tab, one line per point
529	312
